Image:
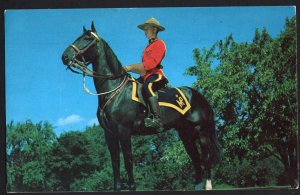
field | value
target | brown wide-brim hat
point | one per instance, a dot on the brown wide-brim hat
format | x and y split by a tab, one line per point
152	22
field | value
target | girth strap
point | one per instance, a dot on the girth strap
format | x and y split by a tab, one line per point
102	110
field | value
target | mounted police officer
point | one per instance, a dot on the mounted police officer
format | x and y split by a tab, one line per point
150	70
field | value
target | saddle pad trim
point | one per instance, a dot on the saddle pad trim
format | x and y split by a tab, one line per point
166	104
134	89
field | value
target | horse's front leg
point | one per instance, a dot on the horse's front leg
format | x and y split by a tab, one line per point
125	141
114	149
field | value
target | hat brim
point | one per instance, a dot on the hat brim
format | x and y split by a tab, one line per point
159	27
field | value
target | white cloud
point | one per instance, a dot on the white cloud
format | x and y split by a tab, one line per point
74	118
93	121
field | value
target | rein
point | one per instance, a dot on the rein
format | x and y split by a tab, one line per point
103	93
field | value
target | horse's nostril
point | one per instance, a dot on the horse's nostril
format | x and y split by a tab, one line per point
65	59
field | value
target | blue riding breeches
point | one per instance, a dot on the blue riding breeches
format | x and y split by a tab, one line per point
153	84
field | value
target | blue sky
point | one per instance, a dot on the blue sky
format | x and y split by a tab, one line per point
40	89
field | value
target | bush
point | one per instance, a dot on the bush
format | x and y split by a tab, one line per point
99	181
243	173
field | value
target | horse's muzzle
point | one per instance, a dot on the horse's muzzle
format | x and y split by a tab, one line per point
65	59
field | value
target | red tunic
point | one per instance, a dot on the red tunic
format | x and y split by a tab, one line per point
152	57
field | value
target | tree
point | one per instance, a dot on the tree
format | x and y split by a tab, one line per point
28	146
252	88
161	163
70	159
100	177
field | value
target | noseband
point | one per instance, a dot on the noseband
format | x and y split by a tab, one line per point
82	64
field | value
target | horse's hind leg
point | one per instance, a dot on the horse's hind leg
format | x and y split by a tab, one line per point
189	142
204	144
209	150
128	160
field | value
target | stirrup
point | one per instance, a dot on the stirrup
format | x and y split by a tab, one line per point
154	123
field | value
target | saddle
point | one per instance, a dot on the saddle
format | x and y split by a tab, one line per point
167	97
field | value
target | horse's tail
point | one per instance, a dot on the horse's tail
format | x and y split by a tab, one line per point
207	129
213	145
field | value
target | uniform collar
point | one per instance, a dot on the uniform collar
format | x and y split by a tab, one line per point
152	40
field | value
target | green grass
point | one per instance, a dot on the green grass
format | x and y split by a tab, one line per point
222	186
229	187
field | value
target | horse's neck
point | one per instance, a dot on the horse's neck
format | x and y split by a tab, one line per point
107	64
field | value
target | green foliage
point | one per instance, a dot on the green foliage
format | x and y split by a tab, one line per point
97	181
244	173
252	88
166	166
76	156
99	178
28	146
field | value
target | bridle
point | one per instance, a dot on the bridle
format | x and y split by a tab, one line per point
82	65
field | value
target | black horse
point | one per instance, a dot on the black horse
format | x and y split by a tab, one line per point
118	113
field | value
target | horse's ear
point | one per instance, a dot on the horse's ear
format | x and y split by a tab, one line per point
84	29
93	27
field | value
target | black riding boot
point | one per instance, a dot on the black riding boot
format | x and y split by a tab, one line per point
154	121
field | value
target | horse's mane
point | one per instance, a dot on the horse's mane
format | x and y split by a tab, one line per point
111	57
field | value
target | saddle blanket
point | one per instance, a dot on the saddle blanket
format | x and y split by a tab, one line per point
168	97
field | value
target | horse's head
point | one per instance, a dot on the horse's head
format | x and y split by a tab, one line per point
83	50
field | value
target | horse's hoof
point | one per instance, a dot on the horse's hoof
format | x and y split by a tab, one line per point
117	187
132	187
199	186
208	185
